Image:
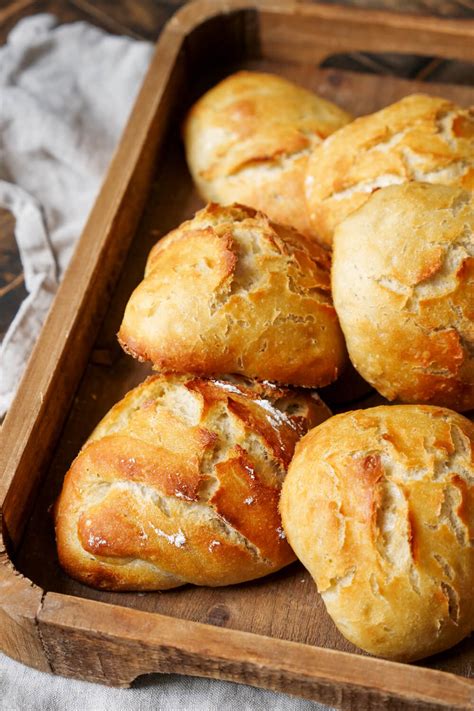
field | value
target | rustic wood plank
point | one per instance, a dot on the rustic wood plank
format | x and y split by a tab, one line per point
64	10
314	32
144	19
119	645
400	65
442	8
20	601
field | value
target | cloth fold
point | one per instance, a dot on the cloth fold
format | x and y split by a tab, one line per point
23	689
65	93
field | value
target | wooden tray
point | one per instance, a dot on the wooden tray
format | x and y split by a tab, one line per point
274	632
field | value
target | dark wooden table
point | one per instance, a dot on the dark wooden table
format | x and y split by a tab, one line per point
144	19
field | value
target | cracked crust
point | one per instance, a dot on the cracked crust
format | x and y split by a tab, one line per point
378	504
403	288
248	140
420	138
231	292
179	483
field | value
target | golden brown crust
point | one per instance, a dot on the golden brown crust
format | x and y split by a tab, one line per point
231	292
420	138
180	483
379	506
403	287
248	140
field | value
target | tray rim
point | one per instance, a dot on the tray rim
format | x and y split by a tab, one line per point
28	609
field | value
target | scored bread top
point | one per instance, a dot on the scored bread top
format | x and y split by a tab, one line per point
231	292
420	138
248	139
180	483
403	287
378	504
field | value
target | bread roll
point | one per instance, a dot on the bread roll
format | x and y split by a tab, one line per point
420	138
179	484
378	505
230	292
403	287
248	139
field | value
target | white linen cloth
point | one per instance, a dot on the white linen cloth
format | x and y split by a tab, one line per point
23	689
65	93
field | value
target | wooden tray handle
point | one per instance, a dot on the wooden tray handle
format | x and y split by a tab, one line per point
76	635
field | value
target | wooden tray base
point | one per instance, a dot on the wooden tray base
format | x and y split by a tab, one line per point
273	632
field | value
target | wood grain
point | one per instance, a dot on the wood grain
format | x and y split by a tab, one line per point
357	30
443	8
118	645
274	632
20	602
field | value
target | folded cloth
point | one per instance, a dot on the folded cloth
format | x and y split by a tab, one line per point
65	93
22	689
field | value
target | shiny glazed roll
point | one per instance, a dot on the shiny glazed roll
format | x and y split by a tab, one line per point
378	505
403	288
180	483
422	138
231	292
248	140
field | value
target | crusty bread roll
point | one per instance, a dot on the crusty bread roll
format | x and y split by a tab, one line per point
378	504
230	292
403	287
420	138
248	139
180	482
